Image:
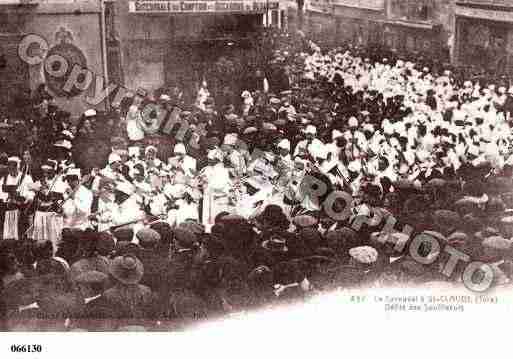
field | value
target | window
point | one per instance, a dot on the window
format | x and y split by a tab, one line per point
414	10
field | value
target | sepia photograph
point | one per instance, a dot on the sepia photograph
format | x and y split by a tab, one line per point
168	165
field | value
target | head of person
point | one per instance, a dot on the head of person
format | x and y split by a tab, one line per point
284	147
179	150
139	172
13	165
48	169
150	153
72	180
27	157
115	162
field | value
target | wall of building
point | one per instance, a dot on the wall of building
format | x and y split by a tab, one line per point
71	30
484	37
155	49
144	39
392	22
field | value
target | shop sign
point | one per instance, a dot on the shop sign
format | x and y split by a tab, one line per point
362	4
494	15
319	6
159	6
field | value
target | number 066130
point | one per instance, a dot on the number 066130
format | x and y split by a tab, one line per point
26	348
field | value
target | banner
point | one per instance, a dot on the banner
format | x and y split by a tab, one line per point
159	6
319	6
494	15
377	5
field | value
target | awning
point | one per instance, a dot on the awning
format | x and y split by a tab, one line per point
414	24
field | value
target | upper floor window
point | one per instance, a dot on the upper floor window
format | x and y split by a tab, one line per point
416	10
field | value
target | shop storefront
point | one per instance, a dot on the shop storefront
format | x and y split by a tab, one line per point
413	37
418	27
484	38
167	43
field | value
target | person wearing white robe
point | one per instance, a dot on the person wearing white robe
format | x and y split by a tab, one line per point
217	188
173	204
77	202
133	121
23	184
310	144
106	207
182	161
129	208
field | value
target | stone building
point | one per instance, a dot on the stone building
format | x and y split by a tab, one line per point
63	34
165	43
422	27
484	35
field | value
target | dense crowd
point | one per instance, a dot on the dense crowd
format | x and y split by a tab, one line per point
118	222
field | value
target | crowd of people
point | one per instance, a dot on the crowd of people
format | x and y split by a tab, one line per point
118	222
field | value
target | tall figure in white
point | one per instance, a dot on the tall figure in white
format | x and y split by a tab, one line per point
217	187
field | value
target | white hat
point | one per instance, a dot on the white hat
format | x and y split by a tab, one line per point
336	134
50	164
311	129
90	113
164	97
68	134
364	254
269	156
114	157
73	172
285	144
422	155
354	166
164	173
134	151
230	139
179	149
368	127
150	148
174	190
215	154
245	94
64	144
249	130
125	187
353	122
14	159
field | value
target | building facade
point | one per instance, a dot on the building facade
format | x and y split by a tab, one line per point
63	34
484	35
419	27
77	47
166	43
